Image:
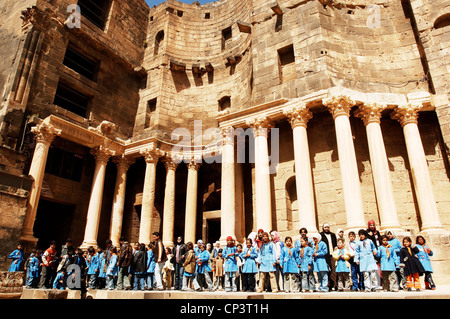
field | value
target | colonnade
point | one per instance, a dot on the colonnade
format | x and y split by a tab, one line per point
298	116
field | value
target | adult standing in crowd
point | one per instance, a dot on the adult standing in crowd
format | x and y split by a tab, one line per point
329	238
160	258
179	255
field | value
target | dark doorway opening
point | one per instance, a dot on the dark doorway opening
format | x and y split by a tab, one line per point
53	222
213	233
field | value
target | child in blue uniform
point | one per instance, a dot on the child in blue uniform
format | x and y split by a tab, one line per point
17	256
230	267
60	280
101	269
397	245
150	267
365	258
387	256
357	276
267	263
112	270
341	257
33	269
306	267
320	263
289	266
203	267
93	267
249	270
424	256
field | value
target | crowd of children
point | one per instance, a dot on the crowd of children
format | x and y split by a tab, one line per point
318	262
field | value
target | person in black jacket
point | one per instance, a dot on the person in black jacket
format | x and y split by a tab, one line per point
179	255
125	259
330	240
140	268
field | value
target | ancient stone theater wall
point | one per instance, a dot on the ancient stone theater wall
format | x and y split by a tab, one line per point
199	63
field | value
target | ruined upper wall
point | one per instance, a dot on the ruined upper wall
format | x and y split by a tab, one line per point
196	56
285	49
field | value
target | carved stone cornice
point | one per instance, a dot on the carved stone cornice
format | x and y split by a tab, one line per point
45	133
102	154
339	105
260	125
298	115
406	114
370	113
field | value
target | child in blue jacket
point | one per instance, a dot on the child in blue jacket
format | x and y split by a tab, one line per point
365	258
33	269
342	256
249	270
320	263
424	256
230	267
289	265
101	269
17	256
397	245
267	263
387	256
93	265
112	270
60	280
306	267
150	267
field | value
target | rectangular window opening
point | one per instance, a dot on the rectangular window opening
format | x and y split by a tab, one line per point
95	11
71	99
226	36
286	63
151	107
80	63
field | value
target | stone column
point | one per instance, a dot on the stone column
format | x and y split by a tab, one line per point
45	135
228	191
169	203
299	116
371	115
340	107
102	156
191	202
115	231
148	197
407	116
261	127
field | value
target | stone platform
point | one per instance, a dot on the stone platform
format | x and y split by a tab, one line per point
442	292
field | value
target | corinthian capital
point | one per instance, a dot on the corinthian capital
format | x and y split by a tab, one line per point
102	154
228	135
406	114
152	154
45	133
370	113
298	115
339	105
260	125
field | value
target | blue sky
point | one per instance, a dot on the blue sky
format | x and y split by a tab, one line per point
152	3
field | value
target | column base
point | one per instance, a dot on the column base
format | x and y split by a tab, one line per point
85	245
29	238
